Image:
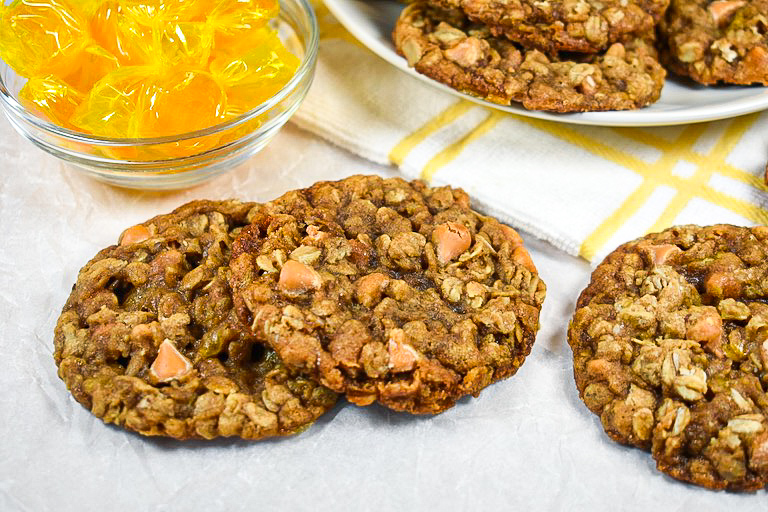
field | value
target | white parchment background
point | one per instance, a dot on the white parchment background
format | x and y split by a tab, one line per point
527	443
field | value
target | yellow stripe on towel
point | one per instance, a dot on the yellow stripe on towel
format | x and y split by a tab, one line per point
403	148
697	184
664	145
661	173
447	155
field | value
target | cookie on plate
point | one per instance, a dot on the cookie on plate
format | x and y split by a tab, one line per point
388	291
446	46
715	41
148	339
552	26
670	349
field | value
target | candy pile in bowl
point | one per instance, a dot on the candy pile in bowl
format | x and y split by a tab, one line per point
137	69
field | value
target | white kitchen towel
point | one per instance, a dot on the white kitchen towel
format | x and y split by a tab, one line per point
584	189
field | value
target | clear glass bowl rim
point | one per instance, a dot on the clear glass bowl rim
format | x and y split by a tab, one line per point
306	66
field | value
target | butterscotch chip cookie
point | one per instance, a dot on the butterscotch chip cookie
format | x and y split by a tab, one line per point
715	41
670	349
388	290
553	26
148	339
445	46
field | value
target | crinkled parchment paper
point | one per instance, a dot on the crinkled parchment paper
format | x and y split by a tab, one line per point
527	443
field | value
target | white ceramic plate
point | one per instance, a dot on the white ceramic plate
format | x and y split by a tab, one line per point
371	22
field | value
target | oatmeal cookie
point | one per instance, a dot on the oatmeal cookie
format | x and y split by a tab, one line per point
715	41
388	290
552	26
445	46
148	339
670	350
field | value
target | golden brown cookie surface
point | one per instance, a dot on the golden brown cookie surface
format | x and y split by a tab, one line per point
449	48
552	26
388	290
715	41
670	348
148	339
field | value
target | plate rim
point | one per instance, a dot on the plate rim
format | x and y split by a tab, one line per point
638	118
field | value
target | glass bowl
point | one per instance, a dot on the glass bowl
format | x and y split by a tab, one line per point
155	163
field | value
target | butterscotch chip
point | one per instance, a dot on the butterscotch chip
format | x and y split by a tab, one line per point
449	48
148	339
450	239
674	365
169	364
716	41
134	234
419	301
297	277
586	26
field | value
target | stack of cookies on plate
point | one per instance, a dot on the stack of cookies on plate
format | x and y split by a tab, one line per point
226	318
583	55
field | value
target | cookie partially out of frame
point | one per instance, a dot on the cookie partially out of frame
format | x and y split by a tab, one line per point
447	47
670	349
586	26
388	291
148	339
715	41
